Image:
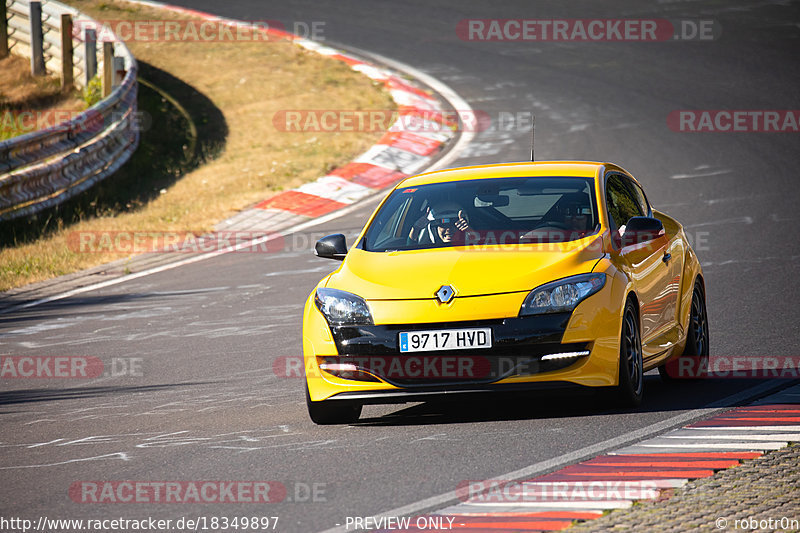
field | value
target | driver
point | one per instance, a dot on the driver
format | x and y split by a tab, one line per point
445	222
575	220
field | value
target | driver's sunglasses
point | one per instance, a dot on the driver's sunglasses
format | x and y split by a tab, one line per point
446	223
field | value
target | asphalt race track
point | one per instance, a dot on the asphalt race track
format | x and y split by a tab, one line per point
205	402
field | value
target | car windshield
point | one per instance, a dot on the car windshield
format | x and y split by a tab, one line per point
484	212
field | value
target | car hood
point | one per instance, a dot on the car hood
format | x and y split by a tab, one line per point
471	271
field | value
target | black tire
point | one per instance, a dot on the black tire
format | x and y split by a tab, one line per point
630	389
697	345
331	412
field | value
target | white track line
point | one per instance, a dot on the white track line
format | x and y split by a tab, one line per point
738	446
608	484
744	428
776	437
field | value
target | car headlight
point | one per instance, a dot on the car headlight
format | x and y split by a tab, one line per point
562	295
342	308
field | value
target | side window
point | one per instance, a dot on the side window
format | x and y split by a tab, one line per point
622	205
638	194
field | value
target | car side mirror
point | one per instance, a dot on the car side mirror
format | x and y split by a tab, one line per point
642	229
331	247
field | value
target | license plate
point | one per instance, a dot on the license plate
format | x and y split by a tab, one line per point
446	339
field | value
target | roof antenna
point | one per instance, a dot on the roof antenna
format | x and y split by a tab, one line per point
533	138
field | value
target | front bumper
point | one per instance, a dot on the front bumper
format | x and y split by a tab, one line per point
371	353
459	391
518	343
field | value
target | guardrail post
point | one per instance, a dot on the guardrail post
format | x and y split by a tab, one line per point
91	55
3	30
108	68
119	71
67	65
37	40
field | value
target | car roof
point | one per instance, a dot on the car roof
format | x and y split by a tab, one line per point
580	169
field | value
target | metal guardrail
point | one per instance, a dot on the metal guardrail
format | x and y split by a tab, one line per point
44	168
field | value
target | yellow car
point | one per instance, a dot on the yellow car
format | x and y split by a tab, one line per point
502	277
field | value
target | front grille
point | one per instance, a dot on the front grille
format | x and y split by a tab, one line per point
508	334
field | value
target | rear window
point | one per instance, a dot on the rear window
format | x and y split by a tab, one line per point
485	212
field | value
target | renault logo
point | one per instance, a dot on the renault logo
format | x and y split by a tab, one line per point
445	294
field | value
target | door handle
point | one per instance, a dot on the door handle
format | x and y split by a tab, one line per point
667	257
